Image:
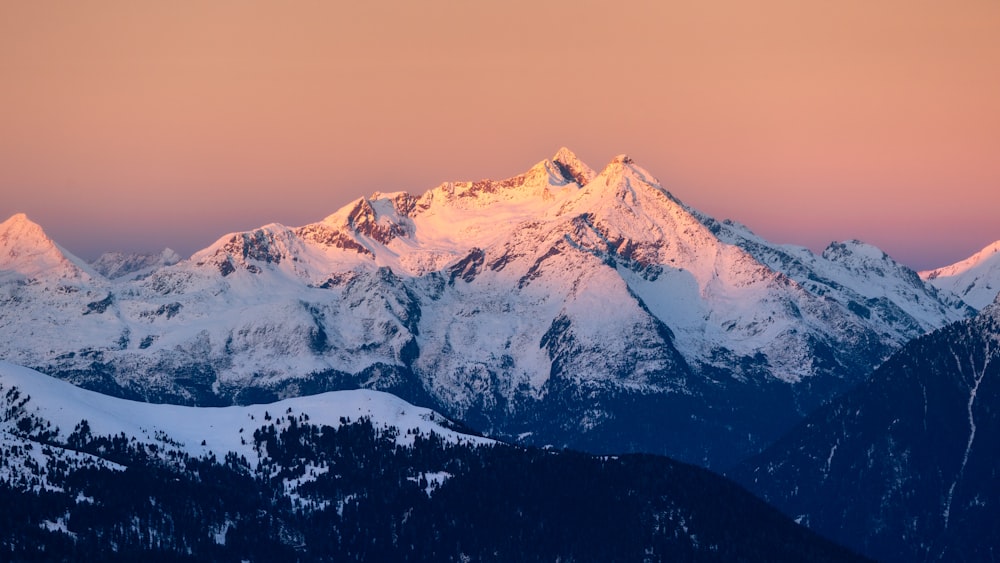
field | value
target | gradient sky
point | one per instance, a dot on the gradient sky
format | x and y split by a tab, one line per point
139	124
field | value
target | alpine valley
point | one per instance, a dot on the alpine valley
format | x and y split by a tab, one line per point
561	307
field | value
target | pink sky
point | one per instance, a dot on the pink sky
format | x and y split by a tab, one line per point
136	125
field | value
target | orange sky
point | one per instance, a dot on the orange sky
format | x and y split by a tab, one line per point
140	124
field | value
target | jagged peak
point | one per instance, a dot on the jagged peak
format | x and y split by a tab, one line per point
855	247
19	225
26	248
340	217
17	218
269	231
541	178
369	209
543	181
623	178
564	154
382	218
271	244
360	214
402	203
571	167
623	166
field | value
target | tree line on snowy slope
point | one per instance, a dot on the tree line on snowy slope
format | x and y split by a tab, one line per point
361	496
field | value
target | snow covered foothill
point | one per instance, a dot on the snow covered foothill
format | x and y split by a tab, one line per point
203	431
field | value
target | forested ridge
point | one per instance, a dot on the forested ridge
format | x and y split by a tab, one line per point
352	492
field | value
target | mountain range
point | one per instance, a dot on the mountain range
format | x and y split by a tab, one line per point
561	307
287	381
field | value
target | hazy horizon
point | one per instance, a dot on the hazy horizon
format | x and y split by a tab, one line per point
127	126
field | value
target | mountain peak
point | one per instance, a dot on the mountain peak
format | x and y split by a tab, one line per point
622	172
972	278
27	250
571	167
622	163
565	155
854	248
18	218
18	224
19	236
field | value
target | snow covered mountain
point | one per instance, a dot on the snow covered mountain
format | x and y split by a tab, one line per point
903	467
976	279
561	306
26	252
